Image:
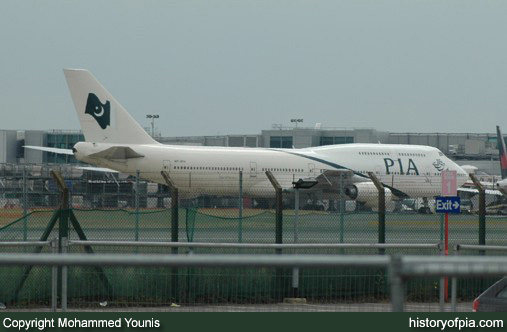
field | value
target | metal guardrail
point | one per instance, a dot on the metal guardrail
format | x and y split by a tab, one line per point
311	261
64	259
54	270
443	266
257	245
459	247
25	243
278	248
452	266
400	268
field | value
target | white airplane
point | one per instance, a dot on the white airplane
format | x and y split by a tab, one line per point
114	140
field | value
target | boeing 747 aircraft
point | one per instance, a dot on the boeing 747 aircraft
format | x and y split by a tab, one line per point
114	140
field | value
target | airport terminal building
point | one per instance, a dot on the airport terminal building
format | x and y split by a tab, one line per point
478	149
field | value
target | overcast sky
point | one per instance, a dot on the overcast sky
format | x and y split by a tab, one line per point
235	67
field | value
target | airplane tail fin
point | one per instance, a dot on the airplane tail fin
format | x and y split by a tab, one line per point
102	118
502	152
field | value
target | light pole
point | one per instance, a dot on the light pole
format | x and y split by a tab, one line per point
152	117
296	121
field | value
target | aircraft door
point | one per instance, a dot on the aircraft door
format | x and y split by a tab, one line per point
166	166
253	169
311	168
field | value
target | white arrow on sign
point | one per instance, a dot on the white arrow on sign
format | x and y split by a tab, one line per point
455	205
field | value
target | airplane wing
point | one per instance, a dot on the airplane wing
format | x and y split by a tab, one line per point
332	180
47	149
476	192
117	152
97	169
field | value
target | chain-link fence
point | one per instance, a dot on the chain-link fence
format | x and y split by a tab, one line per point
238	207
399	269
233	208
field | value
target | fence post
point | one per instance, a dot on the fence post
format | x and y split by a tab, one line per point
160	196
342	210
381	210
25	205
65	248
63	226
174	207
482	211
63	222
441	290
279	208
295	270
174	231
397	287
296	215
54	277
454	285
136	197
279	274
240	221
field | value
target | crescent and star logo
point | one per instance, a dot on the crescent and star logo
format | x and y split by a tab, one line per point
100	112
439	165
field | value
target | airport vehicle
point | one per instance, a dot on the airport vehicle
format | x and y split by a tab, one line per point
114	140
493	299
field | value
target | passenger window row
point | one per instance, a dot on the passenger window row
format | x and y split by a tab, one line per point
209	168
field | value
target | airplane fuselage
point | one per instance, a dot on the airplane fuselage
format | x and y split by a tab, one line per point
410	169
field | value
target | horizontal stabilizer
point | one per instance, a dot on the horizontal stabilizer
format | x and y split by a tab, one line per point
117	152
47	149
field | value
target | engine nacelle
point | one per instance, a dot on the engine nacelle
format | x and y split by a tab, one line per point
502	186
367	193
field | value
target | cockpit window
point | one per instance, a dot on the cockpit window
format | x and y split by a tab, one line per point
440	154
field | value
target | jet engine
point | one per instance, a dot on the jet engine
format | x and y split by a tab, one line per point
502	186
367	193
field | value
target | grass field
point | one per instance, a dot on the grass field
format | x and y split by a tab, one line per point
223	225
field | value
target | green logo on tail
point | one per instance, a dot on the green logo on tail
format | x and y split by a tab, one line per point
100	112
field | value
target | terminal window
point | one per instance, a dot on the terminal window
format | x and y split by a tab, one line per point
329	140
280	142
